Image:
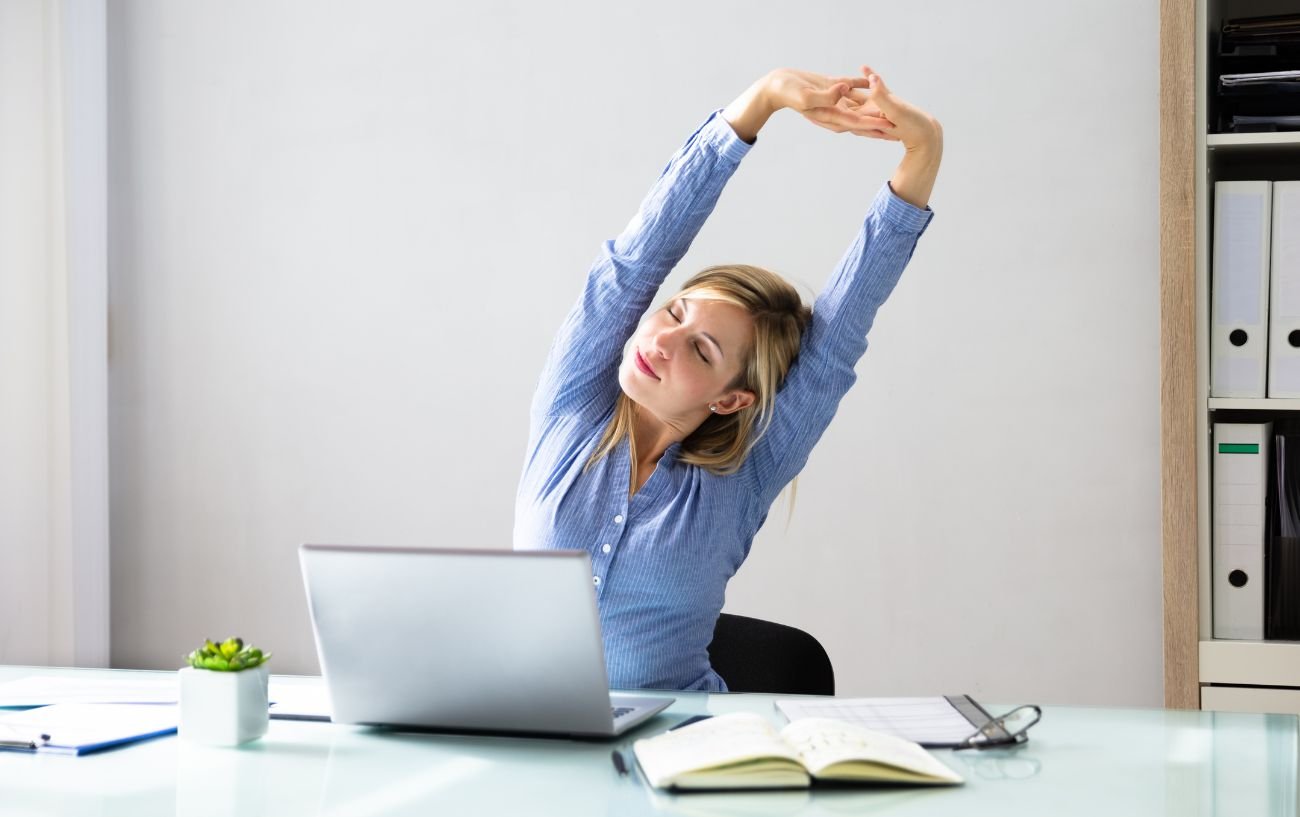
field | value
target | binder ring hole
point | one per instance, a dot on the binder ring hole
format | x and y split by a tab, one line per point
1237	578
1238	337
1294	337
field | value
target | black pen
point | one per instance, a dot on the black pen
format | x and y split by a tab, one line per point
619	764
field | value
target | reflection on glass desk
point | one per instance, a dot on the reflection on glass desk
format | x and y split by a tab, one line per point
1079	760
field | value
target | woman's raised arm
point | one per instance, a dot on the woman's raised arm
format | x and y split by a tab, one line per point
866	275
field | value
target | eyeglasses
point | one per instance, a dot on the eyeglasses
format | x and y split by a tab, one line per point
1010	729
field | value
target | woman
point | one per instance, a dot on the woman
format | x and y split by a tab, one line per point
662	460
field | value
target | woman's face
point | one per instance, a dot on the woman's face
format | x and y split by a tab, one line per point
683	357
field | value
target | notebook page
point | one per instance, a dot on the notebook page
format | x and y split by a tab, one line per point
719	740
929	721
822	743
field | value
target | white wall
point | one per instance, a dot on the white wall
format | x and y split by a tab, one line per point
25	390
342	237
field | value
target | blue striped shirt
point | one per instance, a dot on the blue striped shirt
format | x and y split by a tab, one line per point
662	558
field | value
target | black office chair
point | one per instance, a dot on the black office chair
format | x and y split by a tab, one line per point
753	655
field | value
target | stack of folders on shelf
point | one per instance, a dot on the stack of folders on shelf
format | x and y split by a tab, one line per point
1255	290
1259	88
1256	592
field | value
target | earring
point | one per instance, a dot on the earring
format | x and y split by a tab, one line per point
712	407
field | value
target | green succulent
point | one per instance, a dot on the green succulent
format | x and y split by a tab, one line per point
231	655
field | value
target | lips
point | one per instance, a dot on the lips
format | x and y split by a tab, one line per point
643	365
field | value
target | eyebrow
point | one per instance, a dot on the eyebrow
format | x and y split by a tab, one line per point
713	340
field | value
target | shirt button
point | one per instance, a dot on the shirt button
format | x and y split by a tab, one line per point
595	580
605	548
618	520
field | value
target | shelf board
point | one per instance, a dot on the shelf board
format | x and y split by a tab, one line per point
1255	403
1260	663
1246	141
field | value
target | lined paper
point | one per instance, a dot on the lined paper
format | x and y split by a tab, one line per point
928	721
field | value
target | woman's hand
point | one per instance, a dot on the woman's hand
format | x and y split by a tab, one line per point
915	128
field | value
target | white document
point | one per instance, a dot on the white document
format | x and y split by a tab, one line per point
43	690
1239	288
1240	527
1284	293
80	728
300	699
930	721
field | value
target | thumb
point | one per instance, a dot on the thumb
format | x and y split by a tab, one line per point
880	93
826	98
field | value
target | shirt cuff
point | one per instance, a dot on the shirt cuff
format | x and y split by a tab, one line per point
718	133
902	215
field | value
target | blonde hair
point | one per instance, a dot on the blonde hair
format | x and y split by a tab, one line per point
780	317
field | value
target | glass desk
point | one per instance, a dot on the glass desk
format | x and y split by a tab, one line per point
1079	761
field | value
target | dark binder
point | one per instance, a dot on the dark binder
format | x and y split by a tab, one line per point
1282	551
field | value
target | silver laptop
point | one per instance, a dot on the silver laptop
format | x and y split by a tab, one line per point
464	640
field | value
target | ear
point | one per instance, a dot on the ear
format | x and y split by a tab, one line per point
735	401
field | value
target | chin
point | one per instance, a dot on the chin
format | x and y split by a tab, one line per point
631	382
627	379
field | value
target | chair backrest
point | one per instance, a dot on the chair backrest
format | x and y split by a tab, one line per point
753	655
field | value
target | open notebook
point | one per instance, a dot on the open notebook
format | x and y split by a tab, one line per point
742	750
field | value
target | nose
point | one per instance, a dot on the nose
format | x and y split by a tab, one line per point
664	342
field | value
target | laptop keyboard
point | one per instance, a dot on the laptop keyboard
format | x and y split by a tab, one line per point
619	711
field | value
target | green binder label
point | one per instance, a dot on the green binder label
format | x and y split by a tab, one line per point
1238	448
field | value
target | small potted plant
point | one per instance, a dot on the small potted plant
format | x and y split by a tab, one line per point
224	694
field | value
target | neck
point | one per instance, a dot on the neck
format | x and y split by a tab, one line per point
653	436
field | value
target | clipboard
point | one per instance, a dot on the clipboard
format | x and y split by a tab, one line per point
938	722
78	729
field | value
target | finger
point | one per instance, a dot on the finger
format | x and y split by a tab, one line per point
840	122
881	128
839	116
864	107
824	98
854	82
884	132
857	95
855	118
830	126
826	118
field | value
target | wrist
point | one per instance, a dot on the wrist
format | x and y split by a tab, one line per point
749	112
929	145
765	92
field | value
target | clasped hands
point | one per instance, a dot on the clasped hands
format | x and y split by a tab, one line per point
863	106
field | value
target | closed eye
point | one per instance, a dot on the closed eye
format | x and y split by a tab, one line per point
698	350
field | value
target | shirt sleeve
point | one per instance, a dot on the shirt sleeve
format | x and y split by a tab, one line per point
834	341
581	370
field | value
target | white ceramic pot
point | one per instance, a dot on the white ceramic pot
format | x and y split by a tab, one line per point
224	708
